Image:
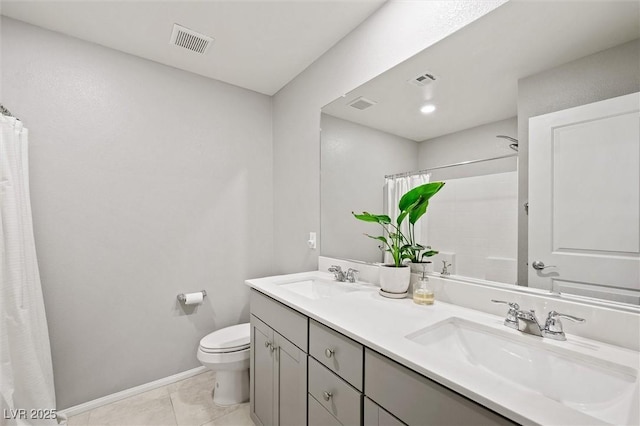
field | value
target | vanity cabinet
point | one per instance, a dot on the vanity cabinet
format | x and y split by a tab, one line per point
416	400
340	381
278	372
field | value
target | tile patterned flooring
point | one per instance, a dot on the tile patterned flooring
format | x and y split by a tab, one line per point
188	402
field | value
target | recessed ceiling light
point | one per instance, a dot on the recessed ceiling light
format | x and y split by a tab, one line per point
428	109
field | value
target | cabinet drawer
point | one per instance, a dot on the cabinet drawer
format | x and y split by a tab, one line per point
289	323
338	353
334	394
319	416
414	399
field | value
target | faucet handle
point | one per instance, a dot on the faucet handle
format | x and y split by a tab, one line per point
512	305
511	320
352	275
338	273
553	325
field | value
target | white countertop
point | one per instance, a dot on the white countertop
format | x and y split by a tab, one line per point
382	324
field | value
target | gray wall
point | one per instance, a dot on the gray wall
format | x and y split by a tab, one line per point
146	182
354	160
398	30
470	144
607	74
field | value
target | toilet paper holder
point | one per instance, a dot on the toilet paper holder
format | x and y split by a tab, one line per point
182	298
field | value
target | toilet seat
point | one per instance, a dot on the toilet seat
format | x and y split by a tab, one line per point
226	340
223	351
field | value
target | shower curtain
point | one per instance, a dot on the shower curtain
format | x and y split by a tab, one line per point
26	375
394	189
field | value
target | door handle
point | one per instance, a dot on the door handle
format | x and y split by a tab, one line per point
539	265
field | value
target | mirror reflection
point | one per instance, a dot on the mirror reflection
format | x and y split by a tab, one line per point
459	112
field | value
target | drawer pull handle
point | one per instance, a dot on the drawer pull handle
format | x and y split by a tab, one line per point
273	348
267	344
329	352
327	395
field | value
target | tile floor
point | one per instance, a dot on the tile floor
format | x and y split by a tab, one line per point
185	403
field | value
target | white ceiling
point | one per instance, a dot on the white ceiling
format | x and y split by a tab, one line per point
259	45
478	67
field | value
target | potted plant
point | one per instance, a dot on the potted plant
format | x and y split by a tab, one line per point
418	254
395	277
416	202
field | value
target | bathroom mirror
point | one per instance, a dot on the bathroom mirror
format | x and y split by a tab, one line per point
376	136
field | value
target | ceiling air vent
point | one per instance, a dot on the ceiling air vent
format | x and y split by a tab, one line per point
362	103
189	39
422	79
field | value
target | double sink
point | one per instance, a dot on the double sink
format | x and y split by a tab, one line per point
596	386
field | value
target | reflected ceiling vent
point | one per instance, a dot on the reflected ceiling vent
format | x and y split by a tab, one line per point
190	40
362	103
422	79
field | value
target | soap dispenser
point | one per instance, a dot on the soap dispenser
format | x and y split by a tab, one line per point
422	293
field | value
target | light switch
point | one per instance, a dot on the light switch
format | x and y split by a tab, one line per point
312	240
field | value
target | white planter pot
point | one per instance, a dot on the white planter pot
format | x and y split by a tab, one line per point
395	279
416	268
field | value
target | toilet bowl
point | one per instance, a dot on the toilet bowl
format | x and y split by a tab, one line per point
226	351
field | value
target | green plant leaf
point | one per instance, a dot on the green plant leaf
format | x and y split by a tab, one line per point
416	201
418	210
425	191
401	217
380	238
429	253
382	219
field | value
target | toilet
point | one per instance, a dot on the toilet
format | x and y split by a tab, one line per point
226	351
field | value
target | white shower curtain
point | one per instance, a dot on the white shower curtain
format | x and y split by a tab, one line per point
26	375
394	189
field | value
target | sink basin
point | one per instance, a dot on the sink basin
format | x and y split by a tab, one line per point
315	288
599	388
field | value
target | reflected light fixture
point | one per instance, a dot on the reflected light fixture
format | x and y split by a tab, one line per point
427	108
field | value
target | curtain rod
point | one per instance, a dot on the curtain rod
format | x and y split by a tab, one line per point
462	163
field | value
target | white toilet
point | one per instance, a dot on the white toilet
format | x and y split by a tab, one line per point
226	351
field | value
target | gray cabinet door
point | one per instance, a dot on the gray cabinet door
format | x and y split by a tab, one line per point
291	383
262	386
374	415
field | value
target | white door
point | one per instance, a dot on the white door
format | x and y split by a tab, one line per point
584	200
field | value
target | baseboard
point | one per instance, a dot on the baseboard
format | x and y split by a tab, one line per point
90	405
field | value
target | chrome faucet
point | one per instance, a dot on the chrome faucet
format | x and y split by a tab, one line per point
527	322
352	275
338	273
342	276
445	271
